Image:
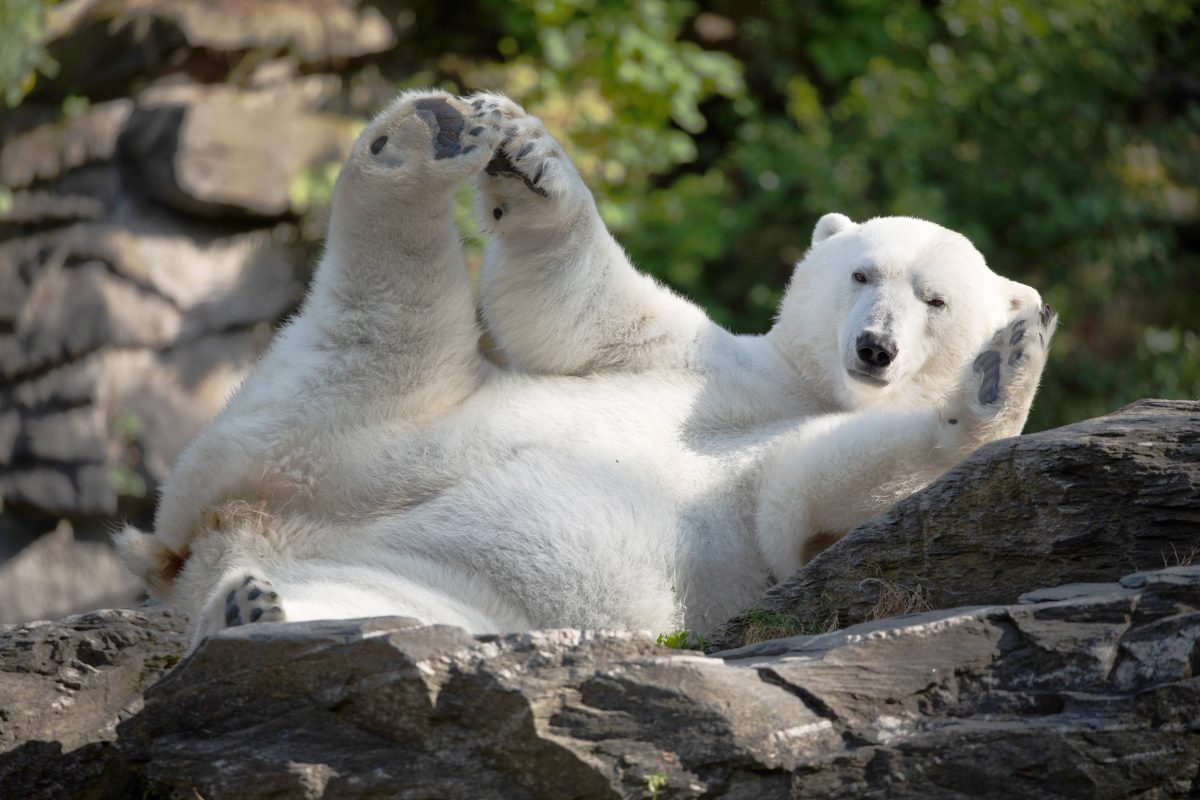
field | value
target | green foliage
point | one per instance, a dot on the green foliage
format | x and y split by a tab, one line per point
682	640
125	477
655	784
22	56
313	187
614	82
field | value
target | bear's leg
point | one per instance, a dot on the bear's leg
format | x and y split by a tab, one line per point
836	472
333	586
391	313
559	294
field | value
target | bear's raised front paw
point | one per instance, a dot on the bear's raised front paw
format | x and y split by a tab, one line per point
1007	371
252	600
527	152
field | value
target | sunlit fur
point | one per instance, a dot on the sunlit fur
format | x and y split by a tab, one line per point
634	465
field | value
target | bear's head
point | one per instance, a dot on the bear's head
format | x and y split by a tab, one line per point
891	310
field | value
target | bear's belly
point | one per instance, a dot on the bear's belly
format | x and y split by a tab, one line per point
579	500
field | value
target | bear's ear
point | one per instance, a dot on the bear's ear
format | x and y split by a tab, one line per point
831	225
1022	297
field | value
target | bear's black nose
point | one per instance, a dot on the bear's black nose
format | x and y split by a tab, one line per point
876	351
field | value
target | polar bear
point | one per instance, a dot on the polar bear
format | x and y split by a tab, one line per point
632	465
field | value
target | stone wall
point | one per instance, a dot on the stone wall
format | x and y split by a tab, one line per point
159	228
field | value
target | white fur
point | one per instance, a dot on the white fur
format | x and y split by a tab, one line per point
636	465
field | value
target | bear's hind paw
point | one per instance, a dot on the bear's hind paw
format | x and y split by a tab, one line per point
253	600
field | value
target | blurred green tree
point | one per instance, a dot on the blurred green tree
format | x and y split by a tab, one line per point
21	55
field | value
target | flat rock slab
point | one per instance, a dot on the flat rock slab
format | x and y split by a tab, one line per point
1091	694
1083	503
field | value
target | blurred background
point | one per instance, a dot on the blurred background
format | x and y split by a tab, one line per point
165	170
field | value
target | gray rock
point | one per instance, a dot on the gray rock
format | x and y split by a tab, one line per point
50	151
314	32
217	152
72	681
64	686
1082	503
379	707
59	574
1089	696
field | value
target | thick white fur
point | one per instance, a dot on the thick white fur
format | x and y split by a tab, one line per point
635	465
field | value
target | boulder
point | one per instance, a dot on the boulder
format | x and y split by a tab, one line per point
50	151
72	681
1085	691
1079	503
65	685
218	152
105	46
57	573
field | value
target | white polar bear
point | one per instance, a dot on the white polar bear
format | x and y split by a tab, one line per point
635	465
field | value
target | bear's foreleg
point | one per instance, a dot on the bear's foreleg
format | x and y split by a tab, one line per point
838	471
559	294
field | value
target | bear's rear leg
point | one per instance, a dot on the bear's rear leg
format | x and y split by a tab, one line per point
392	310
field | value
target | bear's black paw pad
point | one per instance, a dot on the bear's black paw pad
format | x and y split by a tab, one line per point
253	600
987	366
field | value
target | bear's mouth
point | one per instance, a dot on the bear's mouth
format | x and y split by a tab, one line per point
867	378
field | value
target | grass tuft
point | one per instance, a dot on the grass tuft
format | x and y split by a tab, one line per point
896	599
763	625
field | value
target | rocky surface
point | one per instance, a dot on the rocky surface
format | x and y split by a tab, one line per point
73	680
1080	691
1085	502
64	687
221	152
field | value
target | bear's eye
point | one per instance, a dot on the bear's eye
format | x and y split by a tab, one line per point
936	302
378	144
860	278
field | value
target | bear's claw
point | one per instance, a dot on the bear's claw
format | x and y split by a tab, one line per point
526	152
